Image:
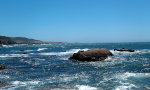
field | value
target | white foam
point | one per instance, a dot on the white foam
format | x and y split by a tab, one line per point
18	84
68	78
130	53
41	49
25	83
28	50
124	79
126	75
125	86
110	61
7	46
85	87
71	51
4	77
12	55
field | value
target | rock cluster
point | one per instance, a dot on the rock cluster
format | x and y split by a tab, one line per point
124	50
2	67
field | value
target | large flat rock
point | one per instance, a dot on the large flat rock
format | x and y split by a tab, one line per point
98	54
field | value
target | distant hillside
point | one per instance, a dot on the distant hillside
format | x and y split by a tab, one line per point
6	40
23	40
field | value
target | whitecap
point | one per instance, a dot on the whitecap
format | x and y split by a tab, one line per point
7	46
71	51
85	87
69	78
4	77
125	86
41	49
124	80
25	83
17	84
126	75
12	55
130	53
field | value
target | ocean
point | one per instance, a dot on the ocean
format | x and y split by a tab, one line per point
46	66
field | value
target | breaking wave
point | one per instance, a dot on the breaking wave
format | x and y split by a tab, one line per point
13	55
41	49
71	51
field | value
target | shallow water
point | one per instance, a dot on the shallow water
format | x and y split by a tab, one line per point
47	66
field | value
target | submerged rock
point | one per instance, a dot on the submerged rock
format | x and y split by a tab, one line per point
98	54
2	67
2	83
124	50
25	53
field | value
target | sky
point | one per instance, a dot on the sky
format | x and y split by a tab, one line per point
89	21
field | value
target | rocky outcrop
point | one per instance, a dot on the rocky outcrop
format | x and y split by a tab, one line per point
6	40
2	67
124	50
92	55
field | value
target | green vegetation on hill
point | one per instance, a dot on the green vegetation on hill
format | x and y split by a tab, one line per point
6	40
21	40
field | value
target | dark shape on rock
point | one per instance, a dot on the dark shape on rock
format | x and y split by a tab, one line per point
98	54
124	50
2	67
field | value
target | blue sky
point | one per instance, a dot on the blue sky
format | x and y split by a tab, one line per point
77	20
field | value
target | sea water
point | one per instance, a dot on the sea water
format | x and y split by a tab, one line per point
46	66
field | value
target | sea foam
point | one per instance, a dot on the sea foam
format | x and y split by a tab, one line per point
41	49
71	51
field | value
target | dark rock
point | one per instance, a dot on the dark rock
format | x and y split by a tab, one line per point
25	53
2	84
92	55
2	67
124	50
1	45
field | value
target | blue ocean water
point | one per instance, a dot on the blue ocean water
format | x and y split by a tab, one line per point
46	66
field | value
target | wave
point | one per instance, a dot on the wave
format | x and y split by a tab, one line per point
13	55
126	86
41	49
69	78
18	84
4	77
127	75
143	51
7	46
71	51
126	83
85	87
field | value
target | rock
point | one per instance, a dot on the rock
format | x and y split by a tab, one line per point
25	53
2	67
2	83
1	45
124	50
98	54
